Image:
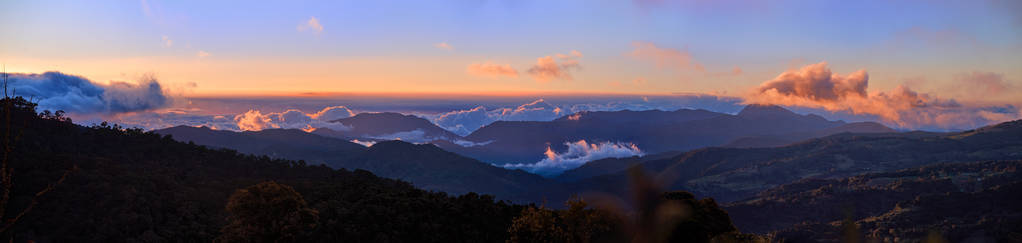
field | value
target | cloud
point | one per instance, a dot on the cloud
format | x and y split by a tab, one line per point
76	94
466	143
413	136
556	67
202	54
578	154
982	85
333	113
254	120
167	42
491	70
168	118
815	86
463	122
364	143
816	82
664	57
443	45
311	25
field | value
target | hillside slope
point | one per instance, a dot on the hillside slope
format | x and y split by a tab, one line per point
133	186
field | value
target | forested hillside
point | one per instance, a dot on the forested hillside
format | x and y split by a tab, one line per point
131	185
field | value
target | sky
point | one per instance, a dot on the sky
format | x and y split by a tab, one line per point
909	64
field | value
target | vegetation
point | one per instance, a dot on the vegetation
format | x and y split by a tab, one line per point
130	185
137	186
268	212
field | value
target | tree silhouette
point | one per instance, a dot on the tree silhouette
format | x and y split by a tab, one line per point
578	223
16	106
268	212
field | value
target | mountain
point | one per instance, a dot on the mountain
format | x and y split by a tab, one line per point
126	185
425	166
291	144
652	131
729	174
388	126
781	140
609	165
431	168
964	202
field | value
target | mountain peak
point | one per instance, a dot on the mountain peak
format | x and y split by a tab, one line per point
761	110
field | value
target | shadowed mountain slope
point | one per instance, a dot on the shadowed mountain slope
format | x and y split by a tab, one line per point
425	166
730	174
133	186
963	202
387	126
652	131
291	144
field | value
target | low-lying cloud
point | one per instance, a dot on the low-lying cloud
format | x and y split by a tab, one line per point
815	86
578	154
413	136
463	122
76	94
254	120
556	67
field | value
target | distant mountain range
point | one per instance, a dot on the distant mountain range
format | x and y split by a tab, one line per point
652	131
277	143
729	174
424	165
384	126
893	185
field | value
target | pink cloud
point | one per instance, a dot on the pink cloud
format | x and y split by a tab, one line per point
664	57
491	70
556	67
817	87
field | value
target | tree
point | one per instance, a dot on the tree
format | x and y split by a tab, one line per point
578	223
268	212
17	106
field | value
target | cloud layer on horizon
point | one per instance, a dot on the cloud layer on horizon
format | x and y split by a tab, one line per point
816	86
253	120
578	154
76	94
463	122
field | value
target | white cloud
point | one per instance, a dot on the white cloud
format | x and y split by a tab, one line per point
466	143
254	120
364	143
203	54
578	154
312	25
413	136
463	122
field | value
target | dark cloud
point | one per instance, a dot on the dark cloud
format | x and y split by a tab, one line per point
76	94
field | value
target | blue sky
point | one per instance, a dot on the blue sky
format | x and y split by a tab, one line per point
730	48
